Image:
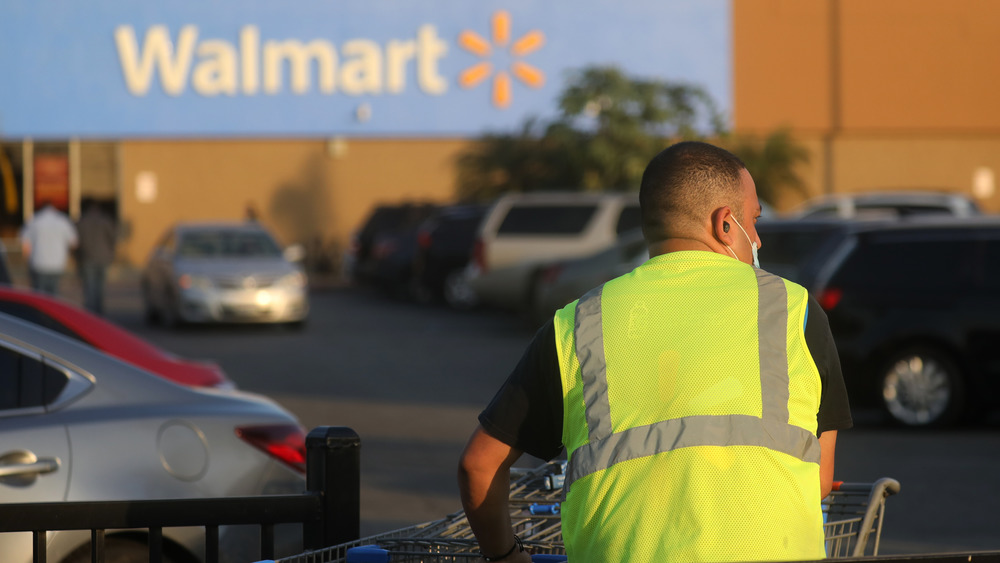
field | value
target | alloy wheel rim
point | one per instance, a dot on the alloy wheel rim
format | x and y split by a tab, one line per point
457	290
917	390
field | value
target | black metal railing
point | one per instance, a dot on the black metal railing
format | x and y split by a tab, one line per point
329	509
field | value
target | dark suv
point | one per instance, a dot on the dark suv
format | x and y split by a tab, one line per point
914	307
384	247
445	243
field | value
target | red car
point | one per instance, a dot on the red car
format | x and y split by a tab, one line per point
70	320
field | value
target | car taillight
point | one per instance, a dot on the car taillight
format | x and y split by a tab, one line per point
479	255
829	297
286	442
384	248
424	239
551	273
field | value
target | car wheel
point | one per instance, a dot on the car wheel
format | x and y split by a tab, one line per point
116	550
921	387
457	292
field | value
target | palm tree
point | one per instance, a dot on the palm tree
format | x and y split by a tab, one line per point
772	162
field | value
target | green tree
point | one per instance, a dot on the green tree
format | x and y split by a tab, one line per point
621	122
608	127
772	162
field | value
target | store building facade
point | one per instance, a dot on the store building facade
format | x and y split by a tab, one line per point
190	112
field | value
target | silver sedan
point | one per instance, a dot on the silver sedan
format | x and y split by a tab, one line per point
224	272
79	425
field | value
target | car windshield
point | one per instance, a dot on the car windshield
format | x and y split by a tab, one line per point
227	243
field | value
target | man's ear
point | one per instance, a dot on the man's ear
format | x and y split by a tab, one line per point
722	225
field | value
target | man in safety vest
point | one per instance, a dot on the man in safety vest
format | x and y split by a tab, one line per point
698	397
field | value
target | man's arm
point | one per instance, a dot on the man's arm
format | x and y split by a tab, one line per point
484	483
827	447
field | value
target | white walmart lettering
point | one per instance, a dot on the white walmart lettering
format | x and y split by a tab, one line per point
217	67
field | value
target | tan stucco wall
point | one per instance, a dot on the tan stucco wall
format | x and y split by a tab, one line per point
913	65
302	189
864	163
884	94
780	61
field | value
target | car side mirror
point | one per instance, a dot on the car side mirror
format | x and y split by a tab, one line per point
295	253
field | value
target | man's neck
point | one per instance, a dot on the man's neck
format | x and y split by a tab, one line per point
678	244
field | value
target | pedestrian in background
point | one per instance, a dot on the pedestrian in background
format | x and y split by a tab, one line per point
97	252
46	241
698	397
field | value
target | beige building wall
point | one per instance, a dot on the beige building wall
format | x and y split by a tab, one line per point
304	190
885	94
864	163
98	166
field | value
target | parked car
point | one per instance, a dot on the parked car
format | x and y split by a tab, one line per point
521	233
887	205
914	308
80	425
68	319
384	247
567	280
224	272
444	247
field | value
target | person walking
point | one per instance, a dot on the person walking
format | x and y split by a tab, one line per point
698	397
46	241
97	251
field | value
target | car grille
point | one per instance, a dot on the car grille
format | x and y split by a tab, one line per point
246	282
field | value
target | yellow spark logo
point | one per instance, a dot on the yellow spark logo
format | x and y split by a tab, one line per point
481	47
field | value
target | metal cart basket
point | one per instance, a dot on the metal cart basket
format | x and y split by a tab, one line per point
853	514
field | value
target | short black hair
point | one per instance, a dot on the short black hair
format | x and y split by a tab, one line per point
684	183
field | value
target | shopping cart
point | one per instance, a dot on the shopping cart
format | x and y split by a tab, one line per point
854	514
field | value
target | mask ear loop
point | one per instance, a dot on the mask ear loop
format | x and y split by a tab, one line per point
731	252
725	229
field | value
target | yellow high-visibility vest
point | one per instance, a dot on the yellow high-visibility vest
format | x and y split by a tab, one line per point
690	402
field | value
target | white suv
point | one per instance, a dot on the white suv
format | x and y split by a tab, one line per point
521	233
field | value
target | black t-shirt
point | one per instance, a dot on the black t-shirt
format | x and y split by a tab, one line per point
527	412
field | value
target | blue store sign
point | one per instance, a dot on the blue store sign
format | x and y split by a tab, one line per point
225	68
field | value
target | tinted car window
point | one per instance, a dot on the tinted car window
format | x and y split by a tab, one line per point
26	381
547	219
205	244
629	219
899	262
795	250
990	274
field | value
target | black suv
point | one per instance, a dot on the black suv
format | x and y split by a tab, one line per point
914	307
445	243
384	247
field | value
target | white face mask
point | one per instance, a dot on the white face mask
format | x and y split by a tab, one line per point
753	245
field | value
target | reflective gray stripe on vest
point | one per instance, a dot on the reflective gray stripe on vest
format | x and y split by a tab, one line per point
771	430
589	336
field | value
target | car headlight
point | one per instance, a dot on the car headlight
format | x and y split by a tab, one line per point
188	281
294	279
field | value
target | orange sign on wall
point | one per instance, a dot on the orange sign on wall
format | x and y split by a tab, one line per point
52	180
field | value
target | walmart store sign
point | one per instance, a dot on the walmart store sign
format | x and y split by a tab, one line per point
382	67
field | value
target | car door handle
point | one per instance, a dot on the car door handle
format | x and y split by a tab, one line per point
44	465
21	467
